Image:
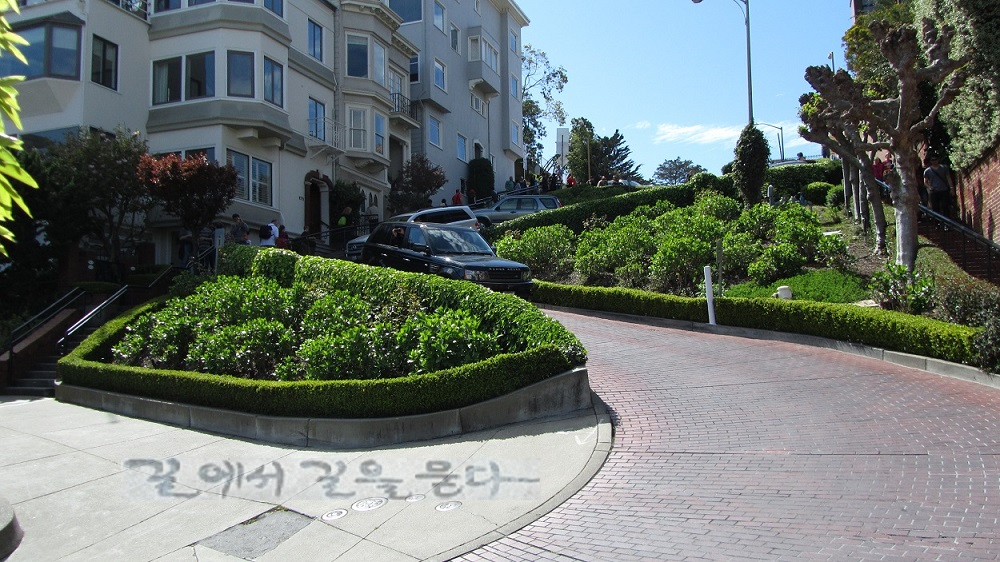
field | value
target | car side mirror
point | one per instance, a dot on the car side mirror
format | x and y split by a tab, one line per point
421	248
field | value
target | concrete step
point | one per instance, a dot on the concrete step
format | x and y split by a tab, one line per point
40	391
32	379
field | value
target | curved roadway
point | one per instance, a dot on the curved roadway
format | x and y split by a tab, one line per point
729	448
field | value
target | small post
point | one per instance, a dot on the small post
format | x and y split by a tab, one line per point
709	296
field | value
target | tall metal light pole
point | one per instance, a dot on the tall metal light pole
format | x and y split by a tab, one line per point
781	138
745	8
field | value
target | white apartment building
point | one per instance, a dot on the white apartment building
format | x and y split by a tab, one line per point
294	93
467	79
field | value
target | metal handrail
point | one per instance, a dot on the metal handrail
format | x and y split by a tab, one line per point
969	235
20	333
91	315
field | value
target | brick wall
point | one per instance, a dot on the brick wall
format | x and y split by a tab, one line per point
979	196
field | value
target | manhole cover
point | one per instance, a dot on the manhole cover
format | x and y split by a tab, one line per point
333	515
448	506
415	498
368	504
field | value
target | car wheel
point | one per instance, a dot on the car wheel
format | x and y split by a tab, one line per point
484	222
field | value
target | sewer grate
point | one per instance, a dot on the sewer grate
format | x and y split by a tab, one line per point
259	535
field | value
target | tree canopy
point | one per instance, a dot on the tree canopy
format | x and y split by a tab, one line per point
750	166
592	156
193	189
539	78
676	171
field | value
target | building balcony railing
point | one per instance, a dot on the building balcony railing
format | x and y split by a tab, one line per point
326	132
402	105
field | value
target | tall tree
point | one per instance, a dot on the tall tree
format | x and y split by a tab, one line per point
899	118
750	166
194	189
10	167
539	78
678	170
102	169
582	146
592	156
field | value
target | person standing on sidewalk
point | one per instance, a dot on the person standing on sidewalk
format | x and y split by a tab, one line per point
937	179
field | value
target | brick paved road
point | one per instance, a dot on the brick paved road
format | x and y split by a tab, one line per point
735	449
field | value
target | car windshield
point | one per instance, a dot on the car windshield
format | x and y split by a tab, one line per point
447	241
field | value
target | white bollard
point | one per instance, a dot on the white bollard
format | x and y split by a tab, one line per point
709	295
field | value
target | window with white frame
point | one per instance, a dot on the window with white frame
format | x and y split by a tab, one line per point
395	83
239	73
512	42
276	6
409	10
274	75
456	37
434	131
104	63
462	147
200	76
515	87
167	80
253	177
378	63
317	119
439	16
491	55
358	128
478	106
440	78
414	69
357	56
381	127
315	40
515	133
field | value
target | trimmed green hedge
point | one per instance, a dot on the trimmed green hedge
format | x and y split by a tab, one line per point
575	216
869	326
539	348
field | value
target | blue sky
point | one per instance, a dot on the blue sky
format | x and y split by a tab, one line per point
671	74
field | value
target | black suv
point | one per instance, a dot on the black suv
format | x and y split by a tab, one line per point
455	252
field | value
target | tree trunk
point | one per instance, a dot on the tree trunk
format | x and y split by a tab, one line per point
905	205
848	190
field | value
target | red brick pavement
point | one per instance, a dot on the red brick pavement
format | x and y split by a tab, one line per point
735	449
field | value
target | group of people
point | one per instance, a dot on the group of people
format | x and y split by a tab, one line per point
936	190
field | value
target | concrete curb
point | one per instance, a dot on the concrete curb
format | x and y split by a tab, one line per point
929	364
10	530
556	396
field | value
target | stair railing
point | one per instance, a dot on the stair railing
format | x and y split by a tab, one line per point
20	333
97	310
969	237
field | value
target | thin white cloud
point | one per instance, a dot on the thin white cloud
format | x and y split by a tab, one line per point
695	134
642	125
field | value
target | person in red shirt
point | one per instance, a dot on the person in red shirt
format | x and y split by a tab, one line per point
456	199
570	181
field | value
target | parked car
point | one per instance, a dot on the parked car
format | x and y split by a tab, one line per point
455	252
459	215
516	206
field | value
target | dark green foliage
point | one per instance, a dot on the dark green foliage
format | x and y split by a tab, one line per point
547	250
627	240
481	177
896	288
718	206
965	300
822	285
187	282
777	261
750	166
237	259
275	263
835	197
988	343
789	180
576	216
444	339
248	350
817	192
709	182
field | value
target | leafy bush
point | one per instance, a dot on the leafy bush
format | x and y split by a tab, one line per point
187	283
789	180
547	250
444	339
739	250
275	263
237	259
895	288
988	343
835	197
817	192
723	185
758	221
777	261
718	206
799	227
965	300
832	251
249	350
627	240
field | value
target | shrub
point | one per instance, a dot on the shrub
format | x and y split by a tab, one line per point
187	282
723	185
789	180
799	227
835	196
275	263
627	240
237	259
965	300
895	288
739	250
250	350
444	339
718	206
817	191
823	285
547	250
777	261
758	221
832	251
988	343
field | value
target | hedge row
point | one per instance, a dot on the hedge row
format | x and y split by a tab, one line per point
868	326
541	348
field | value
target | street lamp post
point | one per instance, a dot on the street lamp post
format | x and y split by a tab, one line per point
781	138
745	8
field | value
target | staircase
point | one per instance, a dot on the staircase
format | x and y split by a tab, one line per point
975	254
40	379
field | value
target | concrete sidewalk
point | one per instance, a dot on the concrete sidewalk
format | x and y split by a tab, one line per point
92	485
